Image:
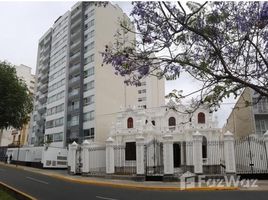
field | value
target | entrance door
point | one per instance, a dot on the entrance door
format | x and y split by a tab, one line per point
177	155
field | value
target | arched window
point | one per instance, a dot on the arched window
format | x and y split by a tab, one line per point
204	147
130	122
172	121
201	119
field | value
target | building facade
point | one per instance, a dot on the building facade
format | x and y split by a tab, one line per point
12	136
245	120
76	97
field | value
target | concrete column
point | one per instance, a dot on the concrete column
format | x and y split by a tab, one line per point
168	155
197	153
72	159
140	155
85	158
229	152
266	141
110	155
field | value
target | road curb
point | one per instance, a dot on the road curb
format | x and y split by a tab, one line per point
124	185
17	194
139	187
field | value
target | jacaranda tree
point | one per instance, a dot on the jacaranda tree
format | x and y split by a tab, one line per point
224	45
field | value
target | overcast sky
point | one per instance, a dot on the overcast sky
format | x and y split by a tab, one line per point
23	23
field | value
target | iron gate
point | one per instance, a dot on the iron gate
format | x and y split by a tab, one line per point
251	156
153	156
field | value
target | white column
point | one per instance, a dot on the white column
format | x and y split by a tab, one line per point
72	159
140	155
85	158
229	152
266	141
110	155
197	153
168	154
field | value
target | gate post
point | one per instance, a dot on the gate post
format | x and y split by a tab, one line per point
85	150
110	155
266	141
229	152
168	155
140	155
72	157
197	153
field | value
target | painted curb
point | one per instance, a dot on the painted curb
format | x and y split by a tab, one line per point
124	185
15	192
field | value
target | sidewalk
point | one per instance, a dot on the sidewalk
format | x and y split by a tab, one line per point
146	185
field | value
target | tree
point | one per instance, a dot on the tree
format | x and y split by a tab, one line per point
16	100
224	45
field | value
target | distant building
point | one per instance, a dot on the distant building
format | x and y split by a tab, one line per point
13	136
246	120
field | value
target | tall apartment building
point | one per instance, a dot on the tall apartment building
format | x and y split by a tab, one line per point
76	97
245	120
13	136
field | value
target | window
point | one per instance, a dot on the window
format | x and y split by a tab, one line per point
172	121
204	147
58	137
91	34
91	23
74	106
89	59
130	122
89	86
89	116
88	100
89	133
201	118
89	72
141	99
49	138
130	152
74	121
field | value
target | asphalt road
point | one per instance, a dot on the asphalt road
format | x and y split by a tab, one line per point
47	188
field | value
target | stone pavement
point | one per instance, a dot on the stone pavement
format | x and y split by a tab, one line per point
262	185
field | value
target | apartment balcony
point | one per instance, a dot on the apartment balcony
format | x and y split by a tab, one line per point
75	35
73	95
41	122
44	78
43	98
74	81
74	69
73	110
46	50
42	109
47	40
75	45
43	88
45	60
75	57
76	14
44	69
76	25
73	123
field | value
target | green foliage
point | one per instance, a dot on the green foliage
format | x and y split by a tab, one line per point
5	196
16	102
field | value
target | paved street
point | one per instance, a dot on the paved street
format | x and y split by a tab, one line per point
47	188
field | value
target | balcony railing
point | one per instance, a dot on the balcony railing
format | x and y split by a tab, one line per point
74	68
75	45
73	93
75	25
